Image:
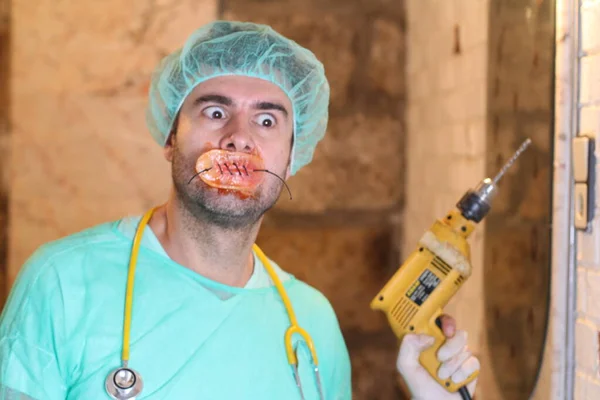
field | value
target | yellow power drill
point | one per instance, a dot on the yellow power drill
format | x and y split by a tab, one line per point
413	299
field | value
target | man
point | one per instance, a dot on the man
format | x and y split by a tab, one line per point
238	110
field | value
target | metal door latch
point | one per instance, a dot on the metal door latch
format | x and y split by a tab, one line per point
584	164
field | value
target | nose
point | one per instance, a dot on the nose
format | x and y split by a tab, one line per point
237	137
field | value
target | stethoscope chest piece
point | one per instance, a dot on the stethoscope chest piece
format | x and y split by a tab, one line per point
124	384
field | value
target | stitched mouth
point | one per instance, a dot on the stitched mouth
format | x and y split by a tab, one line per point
230	170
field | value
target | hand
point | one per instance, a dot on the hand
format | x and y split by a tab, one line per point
457	362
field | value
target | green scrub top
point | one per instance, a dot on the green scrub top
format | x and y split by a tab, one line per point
61	329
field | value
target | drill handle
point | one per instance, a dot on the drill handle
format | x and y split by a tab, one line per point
429	359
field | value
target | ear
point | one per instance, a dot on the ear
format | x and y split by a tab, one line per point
168	149
288	170
171	141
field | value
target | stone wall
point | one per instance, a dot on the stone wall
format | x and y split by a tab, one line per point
517	232
340	233
81	153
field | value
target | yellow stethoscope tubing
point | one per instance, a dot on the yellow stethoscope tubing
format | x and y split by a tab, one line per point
294	328
137	240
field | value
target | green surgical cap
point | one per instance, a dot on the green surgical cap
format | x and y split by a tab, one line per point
242	48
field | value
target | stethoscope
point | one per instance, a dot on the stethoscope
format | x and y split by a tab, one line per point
124	383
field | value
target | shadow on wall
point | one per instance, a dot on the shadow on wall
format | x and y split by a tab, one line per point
517	237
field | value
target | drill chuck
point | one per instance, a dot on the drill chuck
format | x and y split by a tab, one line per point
475	204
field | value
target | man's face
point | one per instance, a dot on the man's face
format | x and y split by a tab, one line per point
236	114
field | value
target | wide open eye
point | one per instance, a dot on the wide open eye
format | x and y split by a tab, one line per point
214	112
266	120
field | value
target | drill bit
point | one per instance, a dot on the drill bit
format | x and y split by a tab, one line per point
475	204
510	162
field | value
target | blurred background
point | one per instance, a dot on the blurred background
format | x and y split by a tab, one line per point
428	98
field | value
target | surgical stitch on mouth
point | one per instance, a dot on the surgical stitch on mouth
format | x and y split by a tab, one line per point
229	170
238	169
245	169
222	160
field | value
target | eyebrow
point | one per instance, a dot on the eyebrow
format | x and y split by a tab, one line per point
213	98
265	105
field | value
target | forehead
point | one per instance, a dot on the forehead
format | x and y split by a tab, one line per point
241	89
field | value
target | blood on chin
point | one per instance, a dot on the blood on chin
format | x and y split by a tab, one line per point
240	194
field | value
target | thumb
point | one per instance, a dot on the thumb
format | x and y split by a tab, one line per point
410	350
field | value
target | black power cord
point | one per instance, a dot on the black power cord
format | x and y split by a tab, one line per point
464	393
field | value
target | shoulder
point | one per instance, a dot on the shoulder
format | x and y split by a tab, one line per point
315	312
50	261
311	298
47	277
96	238
99	235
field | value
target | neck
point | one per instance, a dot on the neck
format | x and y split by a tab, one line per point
220	254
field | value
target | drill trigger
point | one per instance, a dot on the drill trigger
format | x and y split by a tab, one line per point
438	322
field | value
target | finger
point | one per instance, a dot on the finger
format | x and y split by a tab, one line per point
452	346
448	325
469	367
410	350
452	365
